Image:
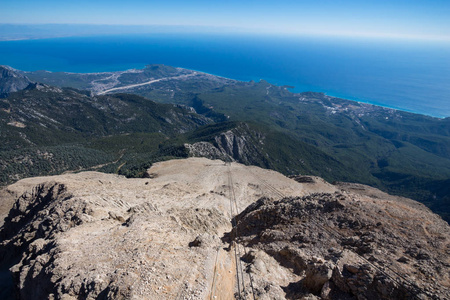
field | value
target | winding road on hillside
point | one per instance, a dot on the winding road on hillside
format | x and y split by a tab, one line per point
144	83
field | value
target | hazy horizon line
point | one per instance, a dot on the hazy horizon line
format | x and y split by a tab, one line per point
174	28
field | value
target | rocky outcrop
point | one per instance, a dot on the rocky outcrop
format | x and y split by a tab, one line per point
31	227
11	81
170	236
208	150
349	246
101	236
240	144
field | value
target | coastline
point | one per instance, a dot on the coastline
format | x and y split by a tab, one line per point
236	59
361	101
388	107
330	95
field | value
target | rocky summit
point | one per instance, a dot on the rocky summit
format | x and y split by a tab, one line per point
204	229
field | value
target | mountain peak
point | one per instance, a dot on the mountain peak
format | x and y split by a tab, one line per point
169	236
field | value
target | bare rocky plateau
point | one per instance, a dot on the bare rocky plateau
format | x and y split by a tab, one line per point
92	235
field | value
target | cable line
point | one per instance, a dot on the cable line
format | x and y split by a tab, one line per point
239	268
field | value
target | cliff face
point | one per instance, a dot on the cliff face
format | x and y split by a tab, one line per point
170	236
251	144
240	144
11	81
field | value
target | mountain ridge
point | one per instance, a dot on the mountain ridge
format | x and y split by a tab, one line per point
11	81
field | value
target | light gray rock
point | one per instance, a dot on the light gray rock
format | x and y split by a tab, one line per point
101	236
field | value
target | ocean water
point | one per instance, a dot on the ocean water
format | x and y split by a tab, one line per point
410	76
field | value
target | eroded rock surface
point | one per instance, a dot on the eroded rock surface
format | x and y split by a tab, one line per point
93	235
101	236
11	81
240	144
349	246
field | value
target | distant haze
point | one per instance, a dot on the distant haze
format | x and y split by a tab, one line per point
413	19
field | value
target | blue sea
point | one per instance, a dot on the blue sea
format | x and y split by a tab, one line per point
406	75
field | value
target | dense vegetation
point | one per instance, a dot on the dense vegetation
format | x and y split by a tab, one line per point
37	161
46	130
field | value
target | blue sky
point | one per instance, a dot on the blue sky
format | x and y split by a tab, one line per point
422	19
